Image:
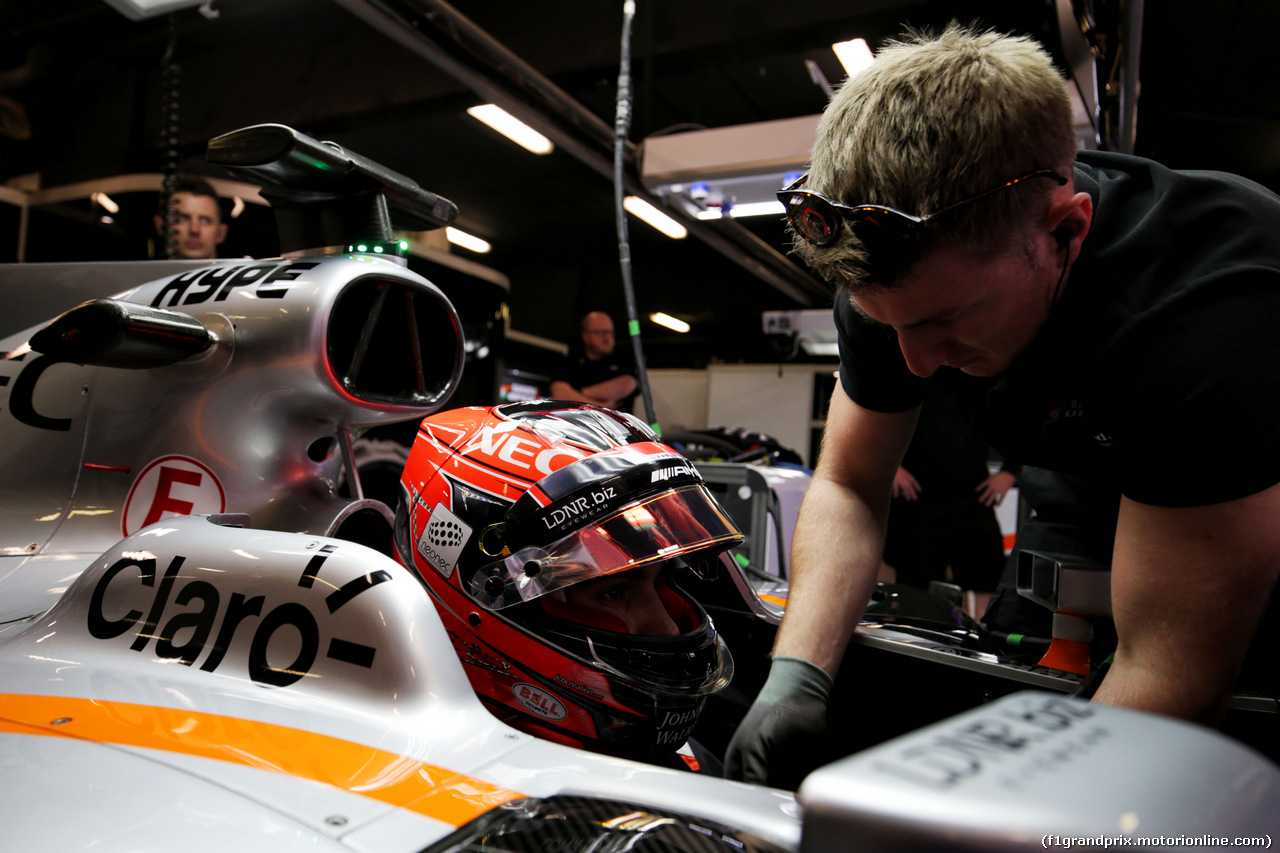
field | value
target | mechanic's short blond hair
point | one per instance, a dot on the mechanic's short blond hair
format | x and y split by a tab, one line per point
936	119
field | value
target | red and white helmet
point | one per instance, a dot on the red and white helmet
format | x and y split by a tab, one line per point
504	511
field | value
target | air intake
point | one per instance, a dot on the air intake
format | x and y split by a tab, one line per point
395	342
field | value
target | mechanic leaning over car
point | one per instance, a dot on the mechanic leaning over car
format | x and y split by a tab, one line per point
1113	320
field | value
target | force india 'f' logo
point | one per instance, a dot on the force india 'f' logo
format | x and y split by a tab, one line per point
198	625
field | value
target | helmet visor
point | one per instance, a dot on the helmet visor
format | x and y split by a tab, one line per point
658	527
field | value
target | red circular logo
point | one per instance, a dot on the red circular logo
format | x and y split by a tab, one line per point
169	486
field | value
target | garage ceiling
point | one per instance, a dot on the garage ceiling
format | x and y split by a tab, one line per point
81	92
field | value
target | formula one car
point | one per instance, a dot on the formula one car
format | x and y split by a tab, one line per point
203	644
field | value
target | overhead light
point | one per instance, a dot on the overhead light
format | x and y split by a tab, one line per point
512	128
139	9
707	173
670	322
465	240
736	211
855	55
641	209
758	208
105	202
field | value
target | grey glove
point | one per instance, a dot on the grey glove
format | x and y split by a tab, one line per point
778	742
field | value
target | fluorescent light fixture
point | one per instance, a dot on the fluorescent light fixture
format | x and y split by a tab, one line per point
137	10
641	209
670	322
465	240
758	208
855	55
105	202
512	128
750	208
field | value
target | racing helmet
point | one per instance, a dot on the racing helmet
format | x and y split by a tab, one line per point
510	514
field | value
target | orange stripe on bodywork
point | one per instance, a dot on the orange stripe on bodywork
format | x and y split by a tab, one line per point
773	599
385	776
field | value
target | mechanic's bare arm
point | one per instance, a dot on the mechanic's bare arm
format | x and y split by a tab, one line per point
839	535
1188	586
607	393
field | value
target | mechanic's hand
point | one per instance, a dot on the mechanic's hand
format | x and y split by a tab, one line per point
905	485
779	740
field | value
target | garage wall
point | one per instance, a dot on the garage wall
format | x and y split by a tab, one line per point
778	400
679	398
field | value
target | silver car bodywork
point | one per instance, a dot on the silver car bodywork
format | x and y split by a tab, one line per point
186	680
202	685
260	422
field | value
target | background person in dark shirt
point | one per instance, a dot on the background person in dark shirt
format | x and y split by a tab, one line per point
596	372
942	521
195	222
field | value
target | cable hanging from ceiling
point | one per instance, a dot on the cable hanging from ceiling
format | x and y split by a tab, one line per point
621	126
171	86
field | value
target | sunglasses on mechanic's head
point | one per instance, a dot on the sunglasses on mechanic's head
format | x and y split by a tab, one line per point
892	238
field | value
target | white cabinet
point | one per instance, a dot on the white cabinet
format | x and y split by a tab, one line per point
787	402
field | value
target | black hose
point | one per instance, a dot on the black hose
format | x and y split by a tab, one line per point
622	124
169	115
757	573
1015	639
